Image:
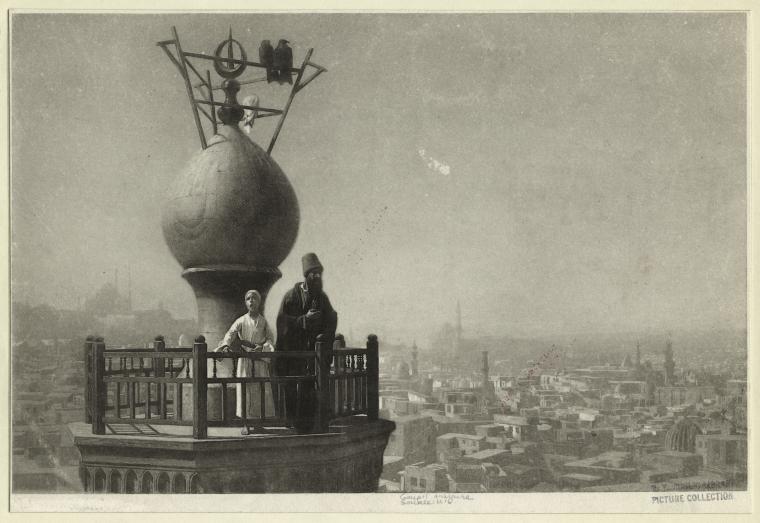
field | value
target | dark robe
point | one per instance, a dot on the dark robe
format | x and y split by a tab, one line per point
292	335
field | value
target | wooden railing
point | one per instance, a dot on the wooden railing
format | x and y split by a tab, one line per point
152	386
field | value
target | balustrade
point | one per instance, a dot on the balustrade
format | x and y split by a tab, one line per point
146	385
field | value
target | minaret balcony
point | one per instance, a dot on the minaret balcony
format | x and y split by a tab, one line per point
163	420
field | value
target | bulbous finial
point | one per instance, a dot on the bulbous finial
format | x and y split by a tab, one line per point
232	114
232	205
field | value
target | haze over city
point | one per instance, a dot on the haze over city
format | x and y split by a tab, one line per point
553	173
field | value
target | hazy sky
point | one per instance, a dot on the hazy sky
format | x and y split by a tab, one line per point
590	169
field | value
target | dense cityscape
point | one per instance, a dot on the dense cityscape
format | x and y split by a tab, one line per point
480	417
48	384
472	414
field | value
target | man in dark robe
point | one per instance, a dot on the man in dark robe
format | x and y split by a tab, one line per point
305	313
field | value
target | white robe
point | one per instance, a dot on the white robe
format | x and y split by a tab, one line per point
254	330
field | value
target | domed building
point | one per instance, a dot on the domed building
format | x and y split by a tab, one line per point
682	436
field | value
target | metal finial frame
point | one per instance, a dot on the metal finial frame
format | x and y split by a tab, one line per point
226	68
181	60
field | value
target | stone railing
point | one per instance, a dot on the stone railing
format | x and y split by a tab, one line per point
170	386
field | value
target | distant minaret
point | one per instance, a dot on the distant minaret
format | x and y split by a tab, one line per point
129	288
487	386
458	341
415	367
670	364
638	360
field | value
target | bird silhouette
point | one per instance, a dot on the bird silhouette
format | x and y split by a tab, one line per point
266	57
249	115
283	61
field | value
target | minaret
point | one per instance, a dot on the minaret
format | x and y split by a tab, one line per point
670	364
415	367
458	341
638	360
486	386
129	288
230	218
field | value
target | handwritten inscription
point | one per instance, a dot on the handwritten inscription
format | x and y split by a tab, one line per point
434	498
547	357
356	255
713	484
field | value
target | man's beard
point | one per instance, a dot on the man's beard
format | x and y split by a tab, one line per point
314	289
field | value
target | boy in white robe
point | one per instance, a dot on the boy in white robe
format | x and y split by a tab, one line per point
251	333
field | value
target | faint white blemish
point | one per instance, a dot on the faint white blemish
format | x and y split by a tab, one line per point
434	164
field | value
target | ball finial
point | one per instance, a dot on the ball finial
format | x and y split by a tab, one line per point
230	114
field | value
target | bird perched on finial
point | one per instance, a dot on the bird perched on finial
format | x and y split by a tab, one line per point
266	57
249	115
283	61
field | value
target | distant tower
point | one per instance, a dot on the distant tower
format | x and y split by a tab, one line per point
670	364
402	371
129	288
415	367
458	340
486	386
638	358
650	387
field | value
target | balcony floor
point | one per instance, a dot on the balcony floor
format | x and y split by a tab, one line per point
184	433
